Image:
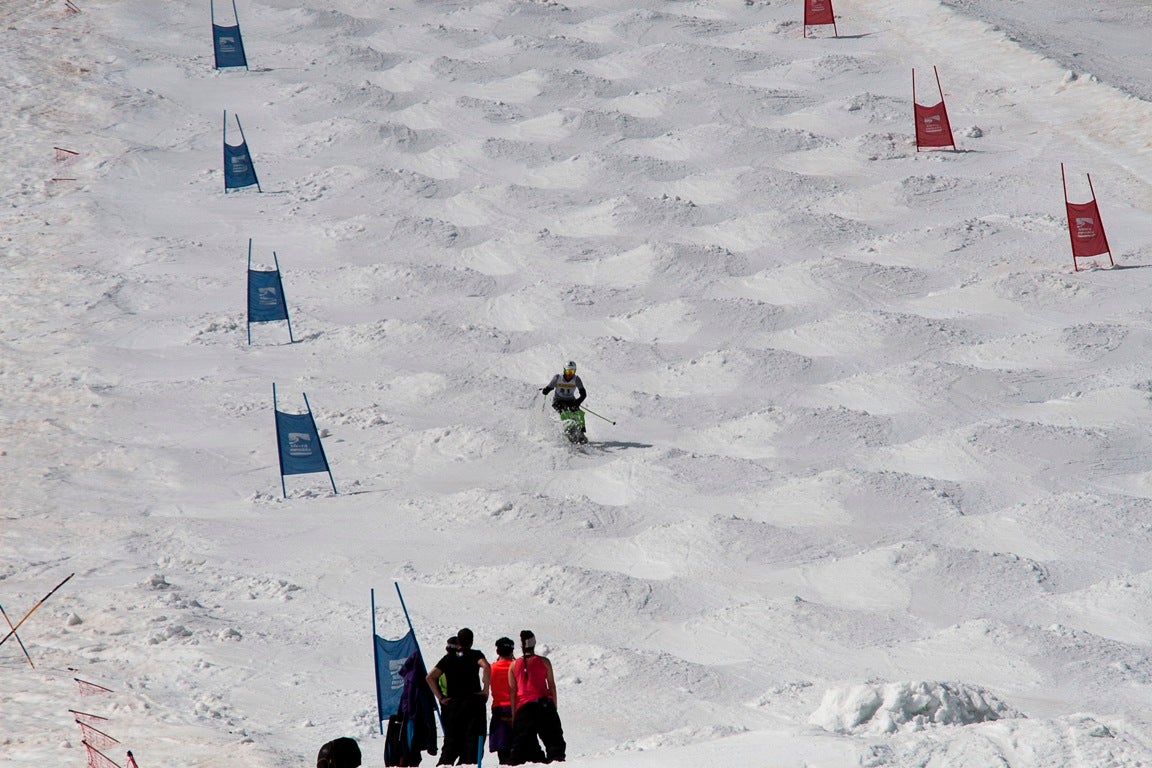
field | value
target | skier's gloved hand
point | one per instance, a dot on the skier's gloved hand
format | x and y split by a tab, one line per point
579	400
544	390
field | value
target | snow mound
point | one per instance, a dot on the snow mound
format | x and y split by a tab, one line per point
907	706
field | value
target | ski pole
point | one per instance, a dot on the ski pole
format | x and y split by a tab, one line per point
588	410
5	613
33	608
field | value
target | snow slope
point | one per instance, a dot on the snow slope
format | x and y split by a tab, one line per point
878	492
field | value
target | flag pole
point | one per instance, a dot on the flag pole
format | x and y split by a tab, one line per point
17	638
279	444
319	442
251	163
236	14
403	607
249	276
224	141
33	608
915	117
1100	221
283	298
376	661
944	109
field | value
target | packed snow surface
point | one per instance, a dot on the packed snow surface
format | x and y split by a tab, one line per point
879	490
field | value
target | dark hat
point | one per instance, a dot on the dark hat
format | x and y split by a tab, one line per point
505	645
343	752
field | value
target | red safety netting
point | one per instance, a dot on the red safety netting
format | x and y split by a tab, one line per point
97	759
90	689
95	736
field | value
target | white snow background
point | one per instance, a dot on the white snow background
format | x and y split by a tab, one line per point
879	488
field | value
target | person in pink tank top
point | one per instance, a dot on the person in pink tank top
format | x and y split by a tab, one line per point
532	693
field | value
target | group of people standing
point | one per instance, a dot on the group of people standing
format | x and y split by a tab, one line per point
523	692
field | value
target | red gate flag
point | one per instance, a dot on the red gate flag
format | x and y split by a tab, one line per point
817	13
932	126
1084	226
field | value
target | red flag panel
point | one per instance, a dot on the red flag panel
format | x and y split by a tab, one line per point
818	12
1087	231
932	126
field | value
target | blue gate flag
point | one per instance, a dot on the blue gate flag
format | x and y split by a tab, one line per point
227	44
266	302
265	297
300	450
229	47
390	656
298	443
239	171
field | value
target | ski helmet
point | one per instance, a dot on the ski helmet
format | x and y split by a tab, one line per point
570	368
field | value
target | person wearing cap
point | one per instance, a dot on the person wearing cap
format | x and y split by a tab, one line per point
500	729
463	705
532	693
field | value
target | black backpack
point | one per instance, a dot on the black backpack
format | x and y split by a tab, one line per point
343	752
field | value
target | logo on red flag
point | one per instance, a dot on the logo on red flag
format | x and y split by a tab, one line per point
1085	228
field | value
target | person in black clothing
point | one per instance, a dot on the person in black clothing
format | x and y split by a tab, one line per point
464	706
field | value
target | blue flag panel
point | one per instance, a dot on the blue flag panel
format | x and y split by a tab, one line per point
300	449
229	46
238	169
390	656
266	297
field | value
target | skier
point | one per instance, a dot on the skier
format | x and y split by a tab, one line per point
567	403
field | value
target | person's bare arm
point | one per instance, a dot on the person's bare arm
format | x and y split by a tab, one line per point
487	675
512	689
551	681
434	683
